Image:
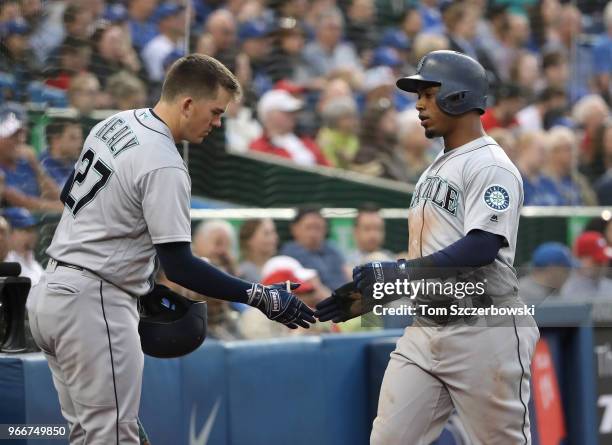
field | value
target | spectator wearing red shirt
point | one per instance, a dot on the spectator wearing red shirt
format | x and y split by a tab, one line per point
276	111
509	101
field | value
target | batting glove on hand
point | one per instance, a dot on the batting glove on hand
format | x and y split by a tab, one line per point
366	275
280	305
344	303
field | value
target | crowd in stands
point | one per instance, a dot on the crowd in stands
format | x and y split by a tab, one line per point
319	80
319	77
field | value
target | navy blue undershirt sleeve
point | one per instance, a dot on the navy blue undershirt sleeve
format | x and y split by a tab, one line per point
476	249
183	268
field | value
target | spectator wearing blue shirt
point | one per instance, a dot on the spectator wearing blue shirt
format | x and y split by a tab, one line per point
26	184
65	140
313	251
561	167
142	28
602	58
538	189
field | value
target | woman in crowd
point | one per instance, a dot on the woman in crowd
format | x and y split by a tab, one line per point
258	243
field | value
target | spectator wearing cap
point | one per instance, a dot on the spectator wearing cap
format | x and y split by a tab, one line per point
126	91
279	270
369	236
16	57
64	142
548	101
378	152
378	84
328	54
339	137
258	243
141	23
254	37
311	248
112	52
361	26
538	189
276	111
26	183
401	43
417	151
602	58
588	282
509	101
171	24
562	167
552	264
22	242
286	61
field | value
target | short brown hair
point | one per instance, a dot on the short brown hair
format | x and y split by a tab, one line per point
199	75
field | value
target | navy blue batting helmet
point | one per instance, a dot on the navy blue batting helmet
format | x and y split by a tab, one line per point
170	324
462	81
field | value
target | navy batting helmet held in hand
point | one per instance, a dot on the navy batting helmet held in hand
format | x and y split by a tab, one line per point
170	324
462	81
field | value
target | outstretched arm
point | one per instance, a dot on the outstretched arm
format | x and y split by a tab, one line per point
278	304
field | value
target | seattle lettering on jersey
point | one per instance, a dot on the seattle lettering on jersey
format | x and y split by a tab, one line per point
117	135
439	191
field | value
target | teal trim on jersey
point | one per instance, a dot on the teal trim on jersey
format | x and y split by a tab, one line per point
103	170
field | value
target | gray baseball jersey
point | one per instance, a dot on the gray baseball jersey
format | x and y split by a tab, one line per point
132	190
474	186
480	367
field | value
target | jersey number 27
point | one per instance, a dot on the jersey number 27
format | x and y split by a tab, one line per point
104	172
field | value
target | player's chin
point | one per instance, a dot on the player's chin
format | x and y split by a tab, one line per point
431	133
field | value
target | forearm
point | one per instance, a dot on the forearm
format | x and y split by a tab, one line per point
476	249
183	268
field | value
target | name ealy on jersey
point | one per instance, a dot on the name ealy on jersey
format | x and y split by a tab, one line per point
117	135
439	191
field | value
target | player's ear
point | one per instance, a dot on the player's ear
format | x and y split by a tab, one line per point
186	105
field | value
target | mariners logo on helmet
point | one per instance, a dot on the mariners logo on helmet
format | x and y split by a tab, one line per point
497	198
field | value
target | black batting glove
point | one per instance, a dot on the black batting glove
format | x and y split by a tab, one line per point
366	275
280	305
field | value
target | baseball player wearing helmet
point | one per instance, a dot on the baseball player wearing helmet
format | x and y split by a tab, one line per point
463	222
127	206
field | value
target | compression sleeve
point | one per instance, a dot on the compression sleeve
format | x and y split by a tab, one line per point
183	268
476	249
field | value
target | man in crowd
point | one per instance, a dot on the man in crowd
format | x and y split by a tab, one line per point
276	110
588	282
26	184
22	242
171	21
65	140
552	263
369	235
312	250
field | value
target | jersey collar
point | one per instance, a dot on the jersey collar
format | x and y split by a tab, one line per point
148	118
472	145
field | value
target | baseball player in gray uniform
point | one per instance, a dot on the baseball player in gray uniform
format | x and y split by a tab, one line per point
127	206
463	222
